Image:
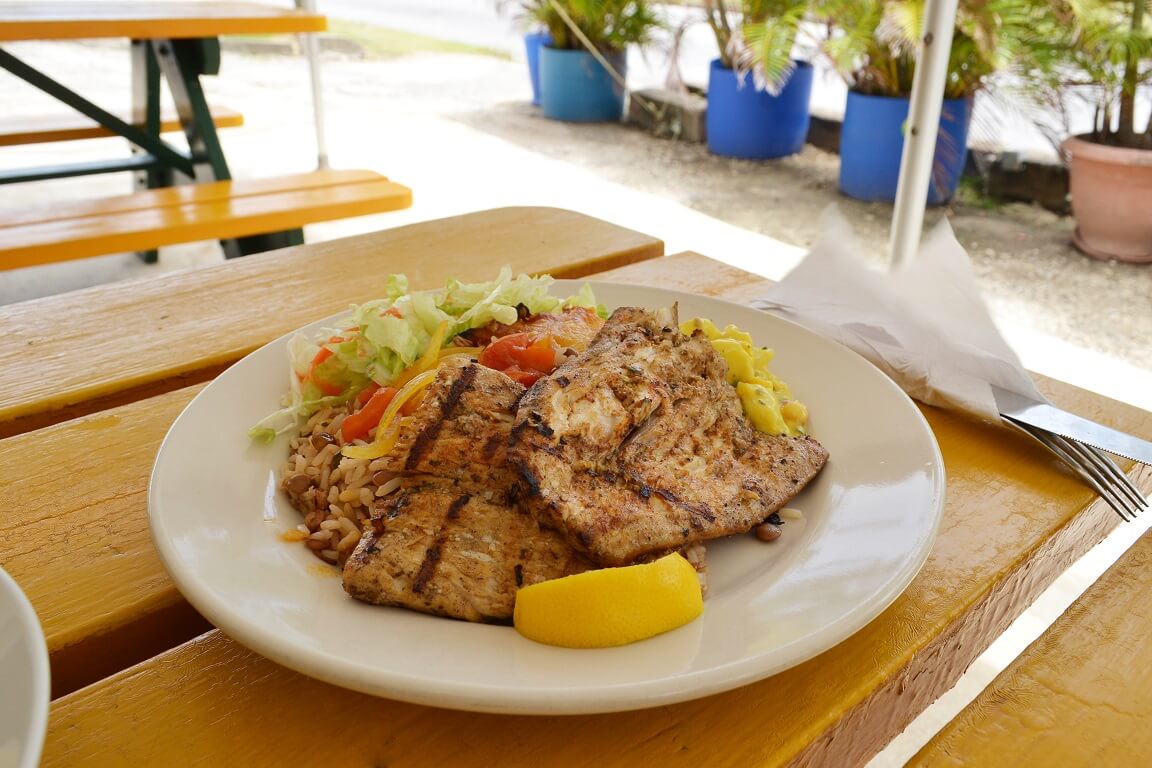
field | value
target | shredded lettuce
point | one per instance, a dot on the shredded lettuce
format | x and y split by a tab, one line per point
380	338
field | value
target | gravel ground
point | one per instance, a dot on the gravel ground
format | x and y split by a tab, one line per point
459	130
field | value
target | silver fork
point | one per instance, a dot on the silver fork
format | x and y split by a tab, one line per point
1094	466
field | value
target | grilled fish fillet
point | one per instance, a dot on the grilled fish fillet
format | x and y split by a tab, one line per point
442	548
461	428
449	541
639	445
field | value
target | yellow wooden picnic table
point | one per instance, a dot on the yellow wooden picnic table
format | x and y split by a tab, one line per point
70	20
178	40
177	43
140	679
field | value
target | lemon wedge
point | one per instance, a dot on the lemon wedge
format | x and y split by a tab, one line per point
611	606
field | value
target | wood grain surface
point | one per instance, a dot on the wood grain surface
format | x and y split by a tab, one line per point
180	195
294	202
114	344
137	19
1014	519
1081	695
76	539
37	129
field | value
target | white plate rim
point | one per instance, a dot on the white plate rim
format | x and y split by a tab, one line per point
33	639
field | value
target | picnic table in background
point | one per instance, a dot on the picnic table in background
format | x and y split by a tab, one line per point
179	43
140	679
179	40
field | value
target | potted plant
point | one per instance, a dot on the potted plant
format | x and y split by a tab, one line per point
758	93
533	42
874	44
1099	53
584	35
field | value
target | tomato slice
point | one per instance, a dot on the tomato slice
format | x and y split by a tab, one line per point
521	356
356	426
325	387
501	353
366	394
538	356
321	356
525	378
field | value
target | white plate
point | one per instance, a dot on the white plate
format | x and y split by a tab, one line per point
870	519
25	692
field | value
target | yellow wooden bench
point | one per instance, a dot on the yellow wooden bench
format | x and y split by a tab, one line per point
42	129
222	210
1081	695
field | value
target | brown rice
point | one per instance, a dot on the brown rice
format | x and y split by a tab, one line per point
335	494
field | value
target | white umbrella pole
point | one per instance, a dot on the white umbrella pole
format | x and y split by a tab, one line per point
920	131
312	51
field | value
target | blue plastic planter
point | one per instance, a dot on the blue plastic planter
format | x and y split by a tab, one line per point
744	122
575	87
532	44
872	140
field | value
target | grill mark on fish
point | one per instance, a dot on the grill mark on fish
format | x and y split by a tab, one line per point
427	567
538	421
427	436
434	553
388	508
700	510
517	431
457	505
638	430
529	478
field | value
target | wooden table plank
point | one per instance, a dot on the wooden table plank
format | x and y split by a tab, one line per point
180	195
139	19
1014	519
1080	695
157	225
76	539
40	129
154	335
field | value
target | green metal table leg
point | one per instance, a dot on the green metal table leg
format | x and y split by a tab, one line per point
183	63
146	112
161	152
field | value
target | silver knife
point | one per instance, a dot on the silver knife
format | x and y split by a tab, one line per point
1049	417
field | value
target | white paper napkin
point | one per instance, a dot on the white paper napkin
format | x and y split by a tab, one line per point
926	325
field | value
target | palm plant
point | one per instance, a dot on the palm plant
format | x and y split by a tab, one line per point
757	36
610	25
1099	51
873	44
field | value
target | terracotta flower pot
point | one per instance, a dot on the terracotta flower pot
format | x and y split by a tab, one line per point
1111	200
